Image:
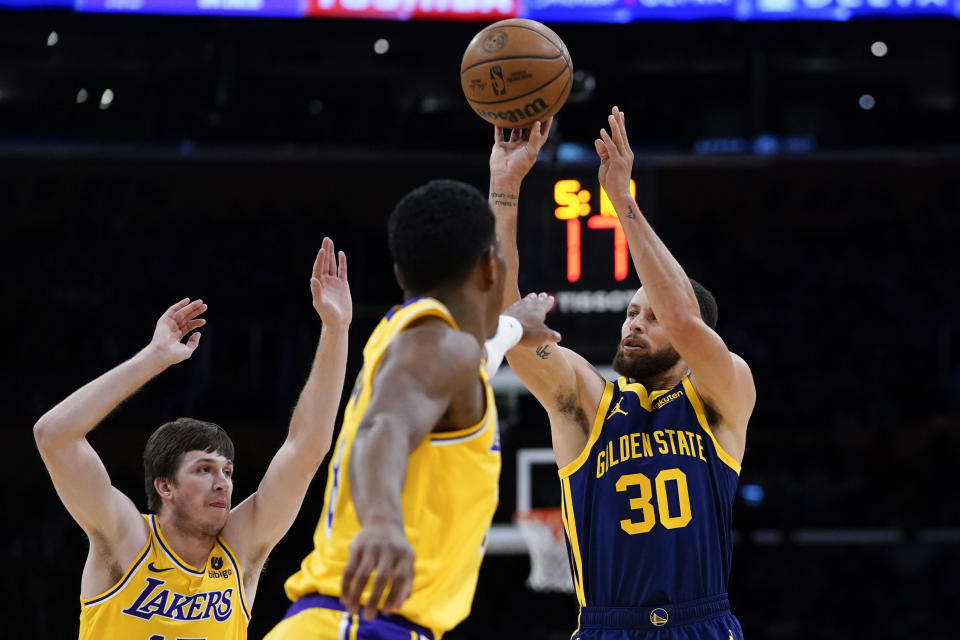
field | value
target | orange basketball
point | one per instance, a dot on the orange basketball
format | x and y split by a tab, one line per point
516	72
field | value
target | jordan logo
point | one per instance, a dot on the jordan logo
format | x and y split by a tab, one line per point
617	410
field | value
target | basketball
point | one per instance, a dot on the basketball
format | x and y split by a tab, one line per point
516	72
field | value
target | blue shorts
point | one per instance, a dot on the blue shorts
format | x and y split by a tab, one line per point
317	617
704	619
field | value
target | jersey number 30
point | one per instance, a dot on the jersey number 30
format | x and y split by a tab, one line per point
644	505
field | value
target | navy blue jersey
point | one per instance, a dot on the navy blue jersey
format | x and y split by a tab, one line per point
647	506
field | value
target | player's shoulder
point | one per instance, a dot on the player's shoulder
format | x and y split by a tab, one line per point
431	345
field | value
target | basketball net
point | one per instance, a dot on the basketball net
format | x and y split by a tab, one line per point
542	530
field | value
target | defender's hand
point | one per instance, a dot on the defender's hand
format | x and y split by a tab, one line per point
329	286
512	158
382	548
173	325
616	157
531	311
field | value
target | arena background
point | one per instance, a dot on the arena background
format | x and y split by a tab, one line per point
228	148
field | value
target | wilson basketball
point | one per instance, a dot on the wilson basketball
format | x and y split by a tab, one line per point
516	72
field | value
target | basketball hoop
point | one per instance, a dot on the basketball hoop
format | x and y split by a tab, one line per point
542	530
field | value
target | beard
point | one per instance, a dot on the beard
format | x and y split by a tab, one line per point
200	528
646	367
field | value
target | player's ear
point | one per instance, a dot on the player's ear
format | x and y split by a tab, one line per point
163	487
486	268
396	274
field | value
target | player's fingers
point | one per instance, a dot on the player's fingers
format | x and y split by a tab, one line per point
176	306
342	266
329	268
193	342
497	135
545	129
193	324
621	130
195	311
399	592
608	143
623	127
601	149
384	576
353	590
614	133
189	311
318	263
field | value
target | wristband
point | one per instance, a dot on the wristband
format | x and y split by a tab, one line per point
509	332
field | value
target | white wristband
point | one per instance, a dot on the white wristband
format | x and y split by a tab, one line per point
509	332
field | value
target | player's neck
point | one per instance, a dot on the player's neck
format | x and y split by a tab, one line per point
666	380
192	545
466	308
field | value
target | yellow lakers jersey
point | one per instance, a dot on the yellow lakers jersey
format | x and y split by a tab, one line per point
161	596
449	497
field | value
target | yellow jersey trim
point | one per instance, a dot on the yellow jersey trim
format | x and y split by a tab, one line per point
570	524
702	419
120	584
423	307
646	398
598	420
171	554
236	566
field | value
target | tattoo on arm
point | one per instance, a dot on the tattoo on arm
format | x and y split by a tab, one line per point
630	212
543	351
504	199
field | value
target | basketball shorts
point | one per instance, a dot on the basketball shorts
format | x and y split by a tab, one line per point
704	619
317	617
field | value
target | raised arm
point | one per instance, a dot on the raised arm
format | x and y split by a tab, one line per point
722	377
424	369
257	524
567	386
110	518
511	159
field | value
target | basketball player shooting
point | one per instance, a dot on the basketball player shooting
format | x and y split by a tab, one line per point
191	567
648	464
412	486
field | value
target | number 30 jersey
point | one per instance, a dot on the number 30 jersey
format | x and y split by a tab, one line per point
648	504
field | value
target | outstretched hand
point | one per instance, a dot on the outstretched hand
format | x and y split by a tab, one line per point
616	156
173	325
531	311
512	157
382	550
329	286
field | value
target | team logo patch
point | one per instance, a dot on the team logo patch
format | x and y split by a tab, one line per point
659	617
618	410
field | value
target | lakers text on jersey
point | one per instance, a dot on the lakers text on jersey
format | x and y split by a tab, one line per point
162	597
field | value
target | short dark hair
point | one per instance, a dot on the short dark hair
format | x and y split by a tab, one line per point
166	446
437	232
707	303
